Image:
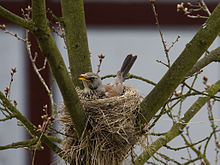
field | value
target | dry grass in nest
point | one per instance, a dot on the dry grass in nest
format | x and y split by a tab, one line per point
112	132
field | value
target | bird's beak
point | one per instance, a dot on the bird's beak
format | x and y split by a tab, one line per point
83	77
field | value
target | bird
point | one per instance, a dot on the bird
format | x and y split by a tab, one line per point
93	87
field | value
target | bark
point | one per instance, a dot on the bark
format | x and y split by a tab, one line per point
213	56
76	38
178	71
57	65
16	19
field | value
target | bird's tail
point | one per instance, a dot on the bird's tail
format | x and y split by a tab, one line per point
126	66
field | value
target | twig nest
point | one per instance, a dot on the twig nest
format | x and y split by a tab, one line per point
112	133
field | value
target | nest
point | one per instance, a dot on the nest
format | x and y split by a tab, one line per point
112	133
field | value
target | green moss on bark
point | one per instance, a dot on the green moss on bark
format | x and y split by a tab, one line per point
57	65
76	38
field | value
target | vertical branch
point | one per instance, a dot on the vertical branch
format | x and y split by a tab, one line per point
188	143
39	14
57	65
76	38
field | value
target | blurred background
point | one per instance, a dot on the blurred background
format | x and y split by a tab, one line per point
115	28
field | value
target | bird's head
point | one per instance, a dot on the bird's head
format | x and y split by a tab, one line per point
91	80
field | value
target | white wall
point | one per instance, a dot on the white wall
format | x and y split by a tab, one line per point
12	55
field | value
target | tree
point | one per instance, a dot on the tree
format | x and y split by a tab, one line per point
154	105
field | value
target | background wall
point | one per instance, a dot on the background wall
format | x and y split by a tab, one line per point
12	55
115	28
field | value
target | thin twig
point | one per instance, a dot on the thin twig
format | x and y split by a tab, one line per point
8	89
161	34
173	43
184	147
131	76
101	57
192	9
197	16
37	71
3	27
205	8
199	154
189	143
161	62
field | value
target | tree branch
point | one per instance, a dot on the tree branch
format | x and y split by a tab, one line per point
178	71
199	154
57	65
28	125
213	56
177	127
131	76
17	20
22	144
76	38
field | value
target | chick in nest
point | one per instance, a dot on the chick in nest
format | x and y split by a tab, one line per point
93	87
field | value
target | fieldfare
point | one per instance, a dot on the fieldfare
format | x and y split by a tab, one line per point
93	87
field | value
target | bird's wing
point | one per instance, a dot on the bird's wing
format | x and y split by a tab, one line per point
110	91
